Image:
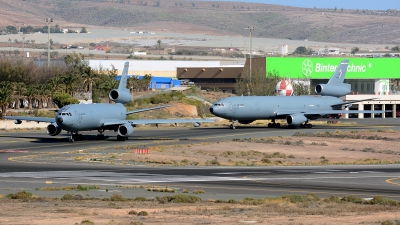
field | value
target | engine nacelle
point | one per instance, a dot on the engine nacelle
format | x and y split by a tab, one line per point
53	129
125	130
245	121
18	121
336	90
119	96
197	124
295	119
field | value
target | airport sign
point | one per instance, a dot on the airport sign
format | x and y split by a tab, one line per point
323	68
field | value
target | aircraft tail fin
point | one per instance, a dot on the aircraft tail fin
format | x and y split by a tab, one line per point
340	73
122	94
335	86
124	77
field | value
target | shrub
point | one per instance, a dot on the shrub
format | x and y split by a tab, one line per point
132	212
266	160
87	222
67	197
253	201
143	213
232	201
62	99
198	192
117	197
378	200
178	199
20	195
140	199
352	199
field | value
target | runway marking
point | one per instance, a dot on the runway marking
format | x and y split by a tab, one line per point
390	181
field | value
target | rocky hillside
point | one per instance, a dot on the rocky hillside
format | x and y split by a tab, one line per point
225	18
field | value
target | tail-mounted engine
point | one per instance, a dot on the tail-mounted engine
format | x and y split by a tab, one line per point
295	119
119	96
53	129
125	130
336	90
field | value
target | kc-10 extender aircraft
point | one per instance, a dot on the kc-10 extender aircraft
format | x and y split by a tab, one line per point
297	110
102	116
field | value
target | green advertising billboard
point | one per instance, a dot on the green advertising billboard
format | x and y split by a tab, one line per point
323	68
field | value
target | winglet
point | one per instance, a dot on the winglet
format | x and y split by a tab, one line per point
340	73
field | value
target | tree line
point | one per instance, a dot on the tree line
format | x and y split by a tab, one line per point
23	84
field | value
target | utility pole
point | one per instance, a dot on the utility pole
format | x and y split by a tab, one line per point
23	45
48	21
251	40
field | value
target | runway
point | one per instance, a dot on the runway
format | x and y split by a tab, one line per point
217	182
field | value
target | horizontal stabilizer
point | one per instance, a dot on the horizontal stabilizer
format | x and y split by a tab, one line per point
349	102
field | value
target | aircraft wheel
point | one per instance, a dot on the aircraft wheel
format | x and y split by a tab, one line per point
309	125
269	125
301	125
278	125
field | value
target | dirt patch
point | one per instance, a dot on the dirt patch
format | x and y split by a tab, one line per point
358	148
51	211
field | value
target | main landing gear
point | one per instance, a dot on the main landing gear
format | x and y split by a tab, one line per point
101	135
75	136
274	125
306	125
121	138
232	126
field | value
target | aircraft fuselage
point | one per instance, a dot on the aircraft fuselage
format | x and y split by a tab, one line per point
267	107
82	117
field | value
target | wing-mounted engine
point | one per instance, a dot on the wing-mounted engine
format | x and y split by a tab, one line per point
53	129
119	96
125	130
295	119
336	90
245	121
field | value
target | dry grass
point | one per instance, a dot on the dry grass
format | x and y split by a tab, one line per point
262	211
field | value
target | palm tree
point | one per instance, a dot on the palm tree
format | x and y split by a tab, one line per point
31	93
70	83
108	85
19	89
5	97
90	76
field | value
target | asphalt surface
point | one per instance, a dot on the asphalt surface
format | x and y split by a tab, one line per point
217	182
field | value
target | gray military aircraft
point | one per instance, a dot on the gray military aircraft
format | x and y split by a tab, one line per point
297	110
102	116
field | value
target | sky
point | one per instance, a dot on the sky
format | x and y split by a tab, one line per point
345	4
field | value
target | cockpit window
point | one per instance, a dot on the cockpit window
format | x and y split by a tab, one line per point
66	114
219	104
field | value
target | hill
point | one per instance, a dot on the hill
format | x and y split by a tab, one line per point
223	18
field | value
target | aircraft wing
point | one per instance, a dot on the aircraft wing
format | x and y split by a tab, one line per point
35	119
111	122
349	102
146	109
326	112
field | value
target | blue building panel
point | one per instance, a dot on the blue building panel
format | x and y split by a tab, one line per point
158	82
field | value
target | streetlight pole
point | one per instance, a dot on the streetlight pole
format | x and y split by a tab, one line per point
23	45
48	21
251	40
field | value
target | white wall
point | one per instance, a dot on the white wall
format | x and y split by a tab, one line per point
154	67
9	125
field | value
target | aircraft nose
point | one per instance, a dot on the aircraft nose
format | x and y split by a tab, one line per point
211	110
60	120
